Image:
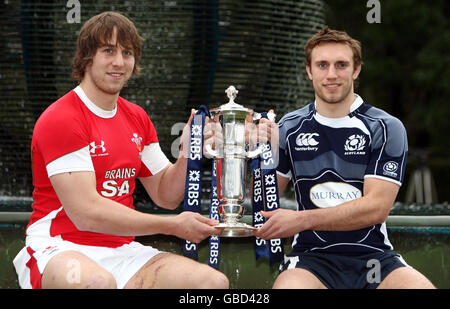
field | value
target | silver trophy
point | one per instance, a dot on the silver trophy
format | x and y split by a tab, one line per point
231	162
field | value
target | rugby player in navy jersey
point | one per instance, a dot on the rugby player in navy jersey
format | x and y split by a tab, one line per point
346	160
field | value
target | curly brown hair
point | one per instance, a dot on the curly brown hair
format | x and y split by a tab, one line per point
97	32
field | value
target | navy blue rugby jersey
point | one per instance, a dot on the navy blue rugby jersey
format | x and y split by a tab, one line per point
328	159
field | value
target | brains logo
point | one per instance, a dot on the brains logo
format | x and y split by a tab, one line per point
354	145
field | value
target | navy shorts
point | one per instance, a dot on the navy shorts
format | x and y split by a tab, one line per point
337	271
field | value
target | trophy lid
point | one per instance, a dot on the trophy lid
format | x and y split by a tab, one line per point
231	106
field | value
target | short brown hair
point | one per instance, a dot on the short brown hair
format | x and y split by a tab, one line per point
98	31
327	35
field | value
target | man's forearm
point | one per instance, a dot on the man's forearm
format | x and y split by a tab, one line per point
370	209
353	215
109	217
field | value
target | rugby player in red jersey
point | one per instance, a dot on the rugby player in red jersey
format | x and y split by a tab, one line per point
88	149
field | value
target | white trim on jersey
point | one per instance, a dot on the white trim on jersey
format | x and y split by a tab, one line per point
343	122
288	146
288	175
92	107
41	228
357	102
386	241
38	235
383	146
381	152
77	161
346	121
154	159
346	244
367	235
383	178
23	272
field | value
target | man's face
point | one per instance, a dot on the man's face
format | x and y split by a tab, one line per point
332	72
111	67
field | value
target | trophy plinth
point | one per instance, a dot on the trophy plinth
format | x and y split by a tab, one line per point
237	229
231	165
230	215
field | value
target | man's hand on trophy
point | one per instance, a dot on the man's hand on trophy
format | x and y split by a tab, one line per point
265	131
184	139
194	227
281	223
212	137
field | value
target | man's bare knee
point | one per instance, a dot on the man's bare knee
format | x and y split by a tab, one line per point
73	270
100	281
209	278
297	278
406	278
219	281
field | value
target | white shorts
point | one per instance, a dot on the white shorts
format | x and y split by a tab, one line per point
122	262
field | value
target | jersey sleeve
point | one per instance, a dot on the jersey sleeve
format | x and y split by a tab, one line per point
153	159
283	168
76	161
62	142
389	152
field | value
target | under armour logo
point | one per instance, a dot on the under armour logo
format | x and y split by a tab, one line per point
95	147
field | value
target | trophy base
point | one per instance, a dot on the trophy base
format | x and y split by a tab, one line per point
235	229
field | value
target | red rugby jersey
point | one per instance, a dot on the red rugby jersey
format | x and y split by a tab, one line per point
73	134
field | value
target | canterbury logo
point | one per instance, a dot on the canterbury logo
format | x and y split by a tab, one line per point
307	139
307	142
95	147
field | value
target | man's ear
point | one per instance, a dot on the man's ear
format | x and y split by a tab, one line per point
308	70
356	72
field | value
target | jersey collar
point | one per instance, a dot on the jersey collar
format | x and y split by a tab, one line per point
92	107
357	103
336	122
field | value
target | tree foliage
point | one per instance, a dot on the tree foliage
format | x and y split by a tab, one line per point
406	63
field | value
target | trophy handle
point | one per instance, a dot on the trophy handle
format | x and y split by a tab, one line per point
260	149
254	153
270	115
210	153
